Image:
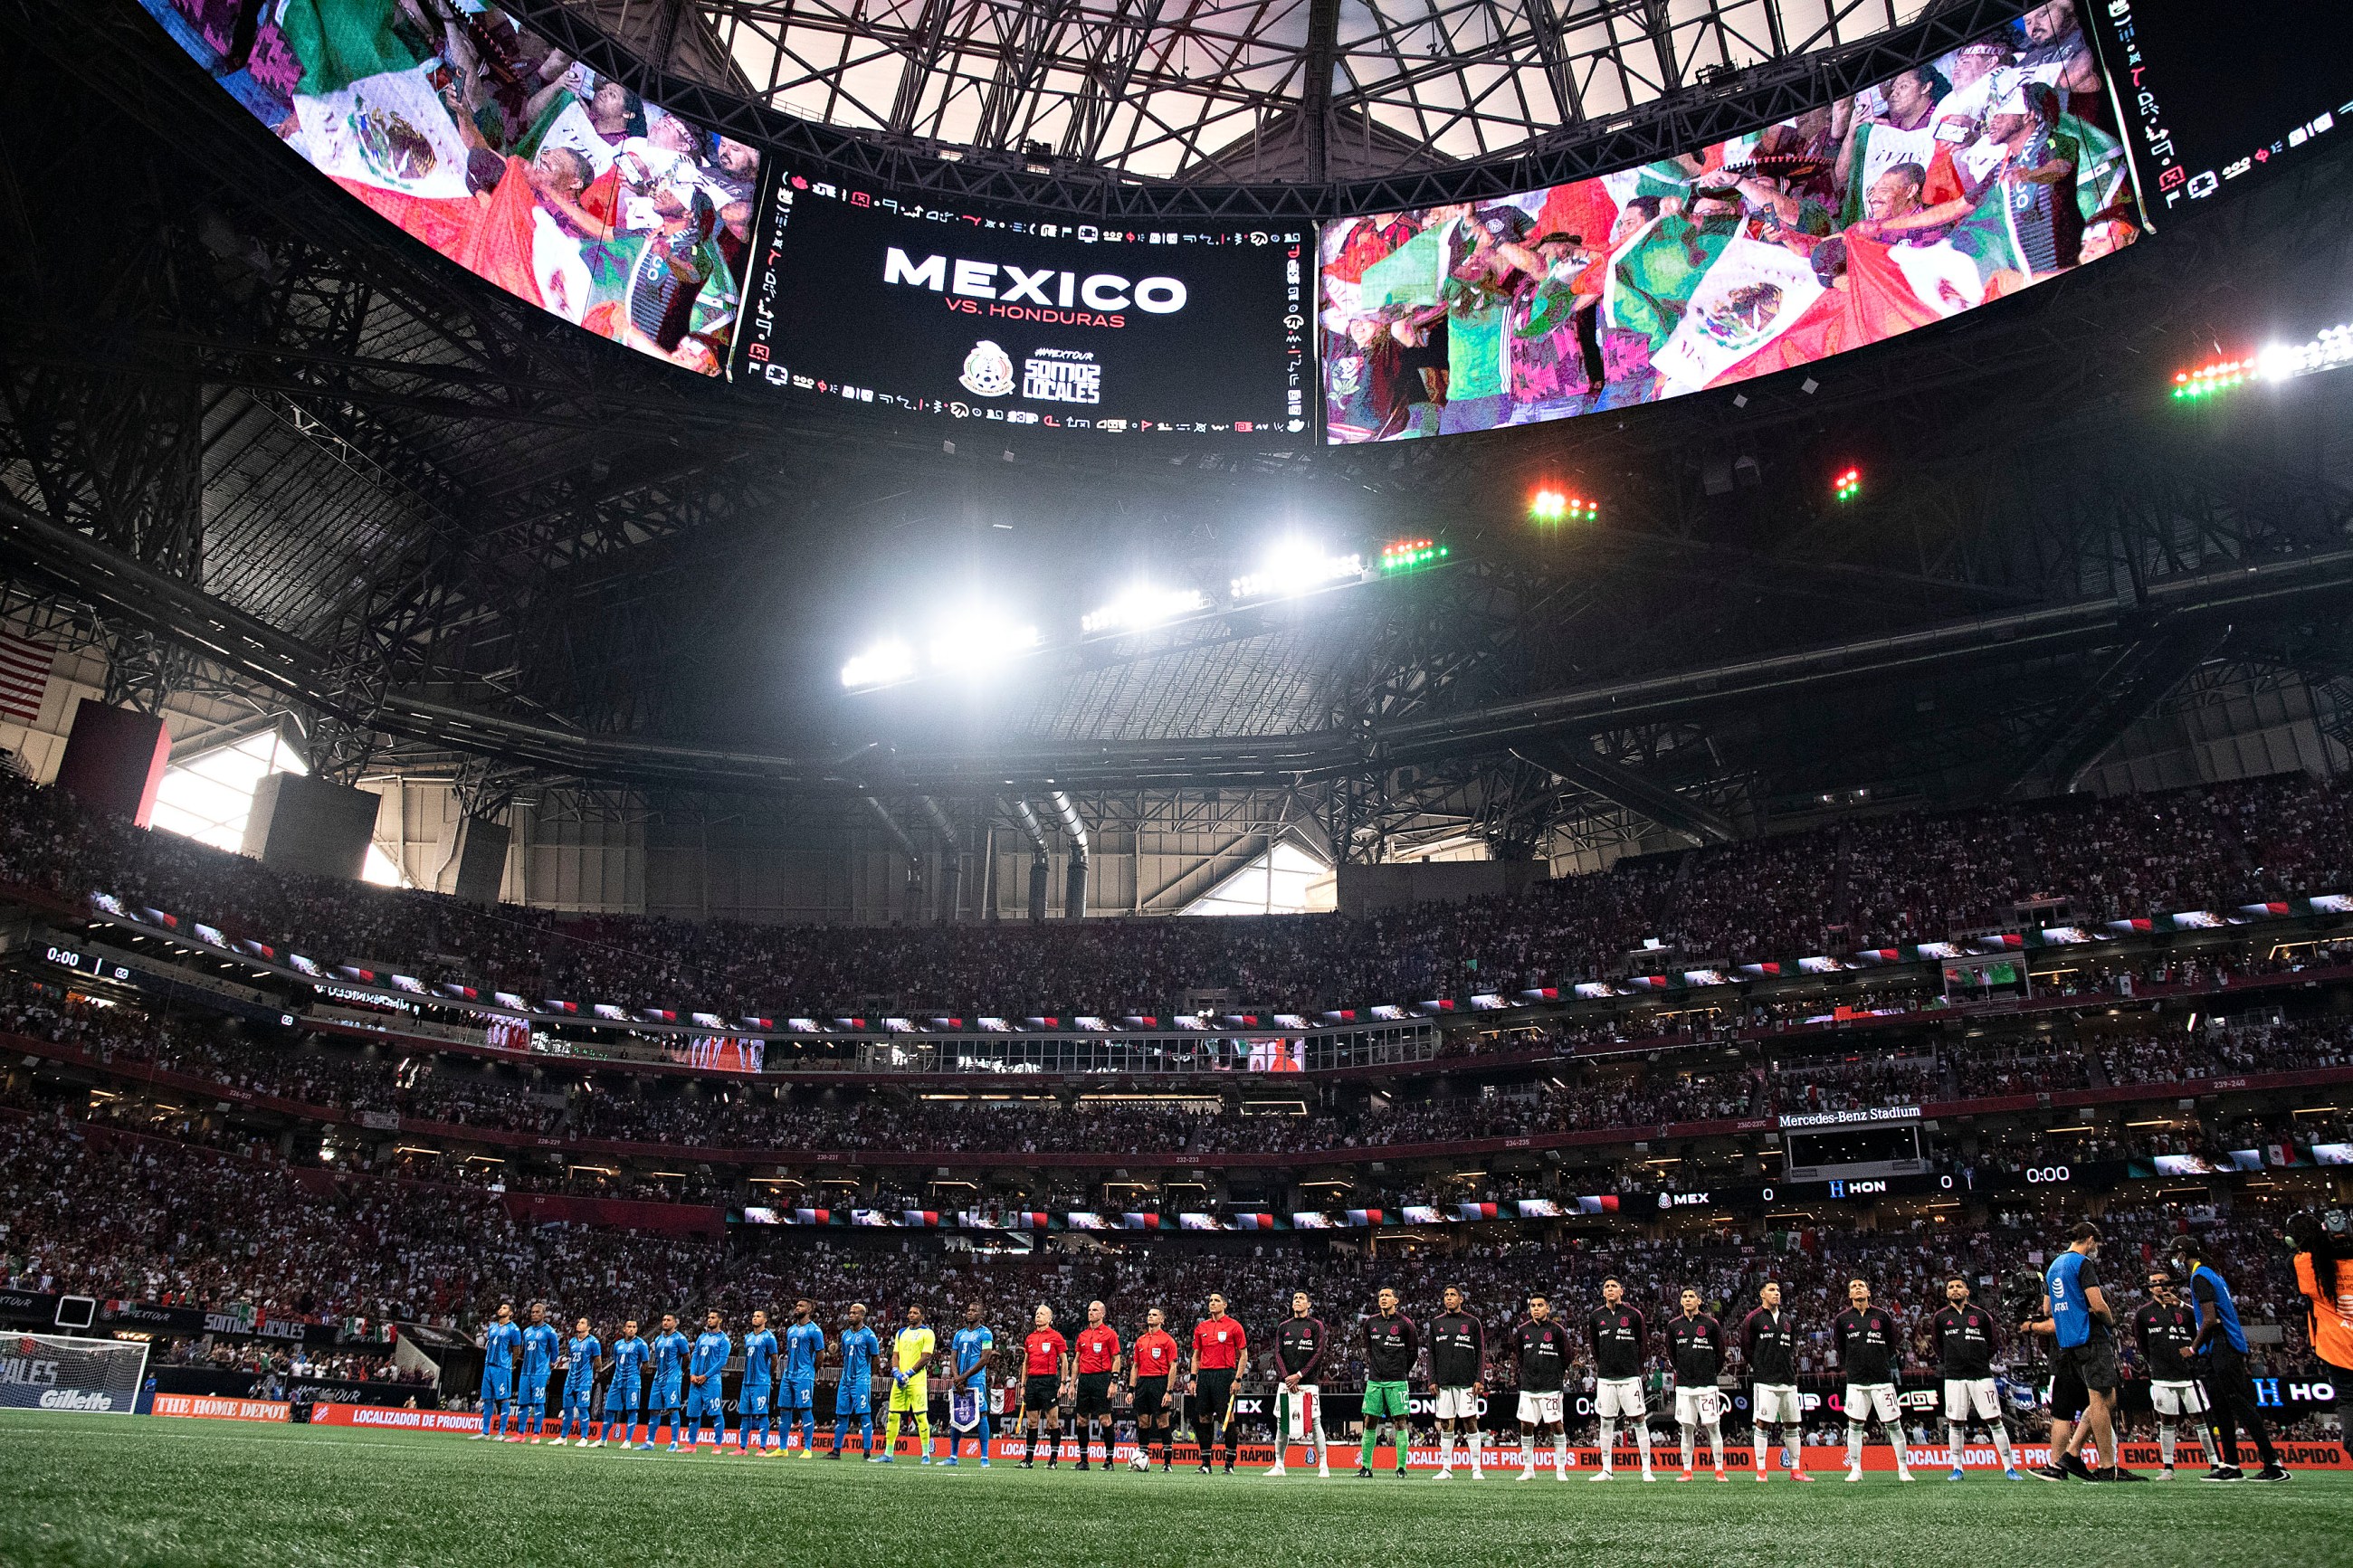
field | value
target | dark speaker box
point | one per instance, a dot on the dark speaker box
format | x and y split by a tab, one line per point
114	760
310	827
479	862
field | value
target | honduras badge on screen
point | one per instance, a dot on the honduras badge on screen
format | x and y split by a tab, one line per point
977	318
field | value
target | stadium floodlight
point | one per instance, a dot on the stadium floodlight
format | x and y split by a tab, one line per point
1550	506
885	664
1410	555
1295	566
1144	604
977	640
1848	485
2285	362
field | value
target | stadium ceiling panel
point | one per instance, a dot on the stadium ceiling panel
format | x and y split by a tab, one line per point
1233	91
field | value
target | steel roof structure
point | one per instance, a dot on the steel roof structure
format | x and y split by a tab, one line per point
253	439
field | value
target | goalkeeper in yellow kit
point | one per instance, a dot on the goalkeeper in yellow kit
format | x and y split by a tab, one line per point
912	1350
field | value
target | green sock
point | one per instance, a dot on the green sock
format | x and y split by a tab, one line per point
1364	1454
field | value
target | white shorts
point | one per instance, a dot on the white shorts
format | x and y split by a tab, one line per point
1698	1407
1614	1396
1971	1397
1456	1404
2177	1398
1540	1409
1864	1400
1777	1404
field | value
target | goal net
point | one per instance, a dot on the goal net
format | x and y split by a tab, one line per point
59	1371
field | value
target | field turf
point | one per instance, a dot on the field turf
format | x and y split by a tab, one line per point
108	1492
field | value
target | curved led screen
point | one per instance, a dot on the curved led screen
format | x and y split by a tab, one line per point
2195	129
560	187
1993	168
892	302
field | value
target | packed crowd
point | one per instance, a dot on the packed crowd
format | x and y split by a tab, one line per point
1864	883
149	1220
452	1090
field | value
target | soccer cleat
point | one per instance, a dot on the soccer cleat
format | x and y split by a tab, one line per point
1684	1478
1603	1474
1722	1479
2169	1474
1762	1478
1274	1469
1958	1474
1902	1474
2225	1473
1082	1462
1477	1474
1801	1476
1324	1472
1230	1467
1443	1475
1649	1477
2271	1472
984	1461
1854	1475
1529	1474
1028	1464
949	1460
476	1436
835	1454
1205	1467
1364	1472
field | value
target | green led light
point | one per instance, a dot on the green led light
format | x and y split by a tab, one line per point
1410	555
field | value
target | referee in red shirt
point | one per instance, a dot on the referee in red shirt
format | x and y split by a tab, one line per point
1045	1365
1155	1361
1098	1365
1219	1346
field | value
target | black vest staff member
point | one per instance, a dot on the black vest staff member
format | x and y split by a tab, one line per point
1769	1342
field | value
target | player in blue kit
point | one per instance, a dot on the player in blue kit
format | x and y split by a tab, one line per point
854	1395
541	1345
501	1344
712	1346
971	1350
759	1371
622	1394
580	1354
670	1349
797	1394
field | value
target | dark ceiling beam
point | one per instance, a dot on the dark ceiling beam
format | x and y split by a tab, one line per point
2121	693
1580	765
1775	90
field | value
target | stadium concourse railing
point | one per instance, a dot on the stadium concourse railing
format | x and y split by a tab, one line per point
1131	1159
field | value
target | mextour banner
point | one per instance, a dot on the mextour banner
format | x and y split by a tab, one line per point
974	316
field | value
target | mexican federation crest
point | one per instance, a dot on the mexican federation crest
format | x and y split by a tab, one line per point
988	370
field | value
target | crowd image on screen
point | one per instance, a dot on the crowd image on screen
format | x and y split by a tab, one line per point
481	140
1990	168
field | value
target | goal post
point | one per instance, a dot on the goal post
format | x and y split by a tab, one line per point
64	1372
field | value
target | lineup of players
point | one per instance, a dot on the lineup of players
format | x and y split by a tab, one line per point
674	1382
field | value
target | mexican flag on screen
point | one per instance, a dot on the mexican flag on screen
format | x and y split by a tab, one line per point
1877	301
1411	277
1653	275
389	133
1753	294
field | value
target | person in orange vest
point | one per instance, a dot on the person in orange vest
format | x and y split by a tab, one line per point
2324	1273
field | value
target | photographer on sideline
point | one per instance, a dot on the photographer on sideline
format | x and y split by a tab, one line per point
2082	1366
2324	1273
2220	1354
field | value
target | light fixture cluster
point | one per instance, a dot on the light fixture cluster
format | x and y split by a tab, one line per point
1552	506
975	641
1848	485
2331	349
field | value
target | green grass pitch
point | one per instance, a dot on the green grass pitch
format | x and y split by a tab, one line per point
113	1493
